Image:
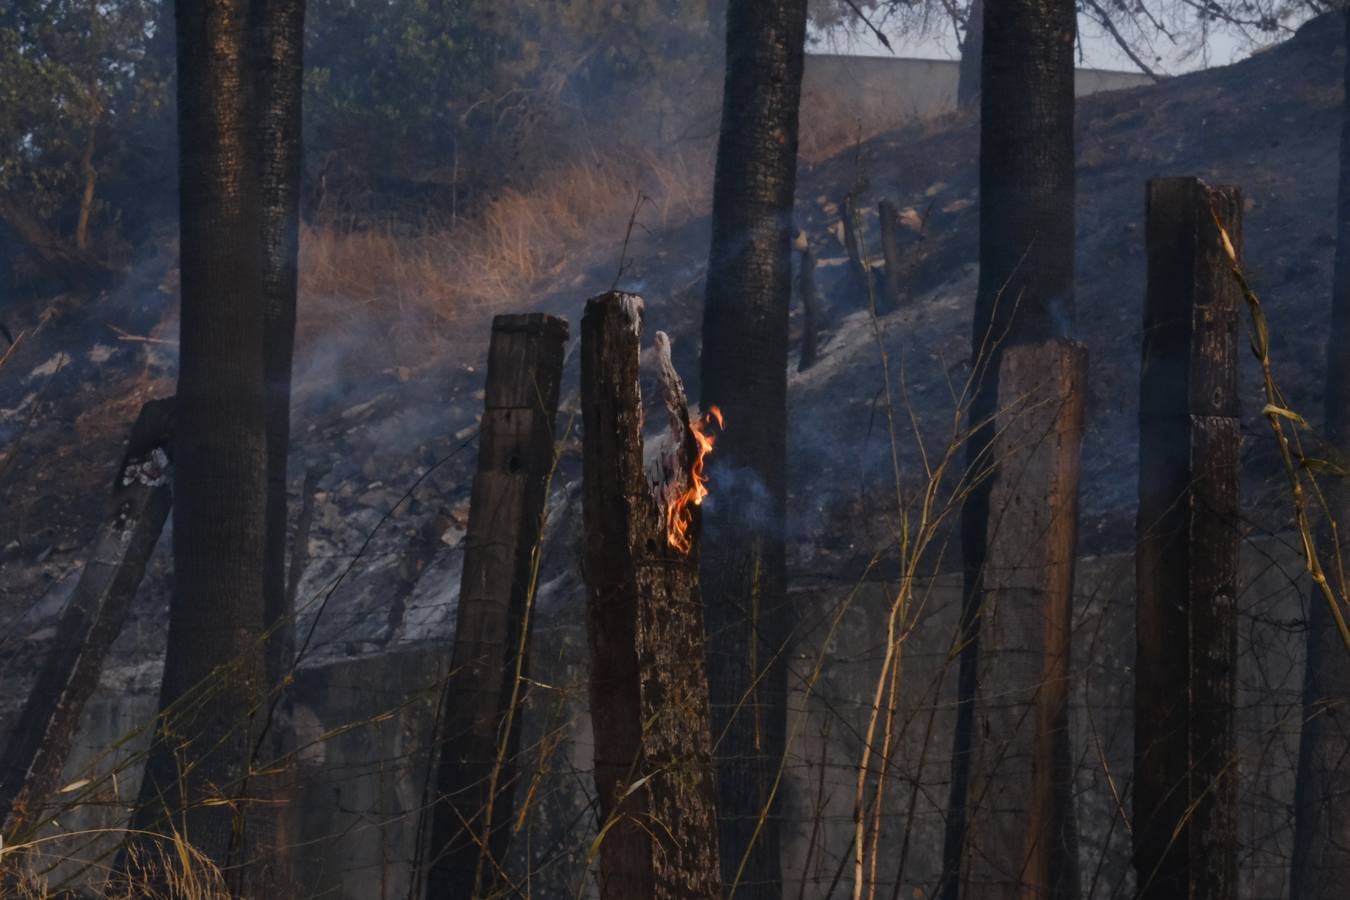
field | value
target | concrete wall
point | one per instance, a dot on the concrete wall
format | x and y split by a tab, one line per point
365	724
878	88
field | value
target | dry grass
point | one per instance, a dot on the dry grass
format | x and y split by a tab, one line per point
830	127
519	242
827	131
178	871
416	286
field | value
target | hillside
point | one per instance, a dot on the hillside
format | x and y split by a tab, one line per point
385	437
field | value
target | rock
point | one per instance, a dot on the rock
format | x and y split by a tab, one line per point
101	353
360	409
54	364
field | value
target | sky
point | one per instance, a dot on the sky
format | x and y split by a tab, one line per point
1099	51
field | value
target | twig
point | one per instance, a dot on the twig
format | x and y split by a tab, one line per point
862	16
1275	412
138	339
628	236
14	345
1104	19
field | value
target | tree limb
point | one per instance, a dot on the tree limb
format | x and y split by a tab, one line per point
1104	19
49	246
862	16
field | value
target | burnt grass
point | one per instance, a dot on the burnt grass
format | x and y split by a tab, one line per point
1269	125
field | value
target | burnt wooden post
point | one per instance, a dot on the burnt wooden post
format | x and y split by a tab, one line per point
859	274
894	288
1185	785
1022	840
811	321
141	498
472	814
649	688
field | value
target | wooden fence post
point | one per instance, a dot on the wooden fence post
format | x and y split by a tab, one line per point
1185	784
1022	839
860	279
141	499
894	291
649	688
480	723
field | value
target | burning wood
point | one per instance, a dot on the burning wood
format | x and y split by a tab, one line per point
680	485
649	689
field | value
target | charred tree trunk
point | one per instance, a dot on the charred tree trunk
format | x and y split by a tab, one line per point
894	287
78	269
1025	292
40	743
1023	840
1185	779
280	50
806	289
480	721
649	689
90	183
213	699
972	47
278	30
744	369
1321	865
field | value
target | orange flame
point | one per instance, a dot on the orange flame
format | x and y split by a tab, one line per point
679	515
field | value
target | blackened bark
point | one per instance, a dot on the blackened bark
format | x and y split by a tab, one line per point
744	369
279	31
972	45
214	672
1026	172
611	413
1321	864
860	276
1185	776
40	743
472	815
649	707
1023	832
893	282
1025	291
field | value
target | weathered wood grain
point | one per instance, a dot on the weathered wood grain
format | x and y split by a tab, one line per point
1023	840
649	689
40	743
1185	780
473	812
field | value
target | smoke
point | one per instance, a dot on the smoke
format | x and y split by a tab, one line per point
739	492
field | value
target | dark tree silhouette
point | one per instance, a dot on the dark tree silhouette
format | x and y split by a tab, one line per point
239	163
972	53
744	371
280	49
1025	291
1184	784
1321	861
